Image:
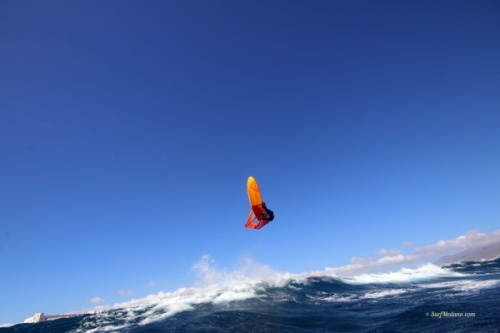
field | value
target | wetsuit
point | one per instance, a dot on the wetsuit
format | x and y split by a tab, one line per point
269	215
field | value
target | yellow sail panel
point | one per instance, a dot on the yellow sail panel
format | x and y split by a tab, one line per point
253	192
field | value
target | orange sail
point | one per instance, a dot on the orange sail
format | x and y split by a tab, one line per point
255	220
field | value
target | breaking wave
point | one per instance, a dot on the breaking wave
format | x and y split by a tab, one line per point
258	298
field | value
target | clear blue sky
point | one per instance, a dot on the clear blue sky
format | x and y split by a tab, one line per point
128	130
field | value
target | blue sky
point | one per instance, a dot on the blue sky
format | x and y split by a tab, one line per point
128	130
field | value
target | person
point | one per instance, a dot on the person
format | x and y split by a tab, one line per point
269	214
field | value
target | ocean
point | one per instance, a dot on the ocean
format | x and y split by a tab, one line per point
461	297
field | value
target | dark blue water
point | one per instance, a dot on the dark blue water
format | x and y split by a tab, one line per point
459	298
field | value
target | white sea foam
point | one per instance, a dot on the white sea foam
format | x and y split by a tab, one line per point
338	298
404	275
385	293
464	286
371	295
477	285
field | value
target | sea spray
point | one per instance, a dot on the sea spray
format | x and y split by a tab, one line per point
257	298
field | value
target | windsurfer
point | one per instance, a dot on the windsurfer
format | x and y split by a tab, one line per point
268	214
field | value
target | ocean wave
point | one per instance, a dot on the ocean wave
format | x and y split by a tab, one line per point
257	289
425	272
216	286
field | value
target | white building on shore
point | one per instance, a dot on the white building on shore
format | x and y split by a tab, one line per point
40	316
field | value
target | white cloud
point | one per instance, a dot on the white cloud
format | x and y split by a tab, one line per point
152	283
406	243
471	239
360	261
382	252
95	300
394	259
125	292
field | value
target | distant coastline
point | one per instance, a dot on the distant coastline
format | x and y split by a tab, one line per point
487	252
41	317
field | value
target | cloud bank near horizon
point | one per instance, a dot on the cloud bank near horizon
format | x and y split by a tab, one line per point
471	239
96	300
125	292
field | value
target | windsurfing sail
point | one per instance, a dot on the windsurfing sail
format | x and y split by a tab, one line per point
257	216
